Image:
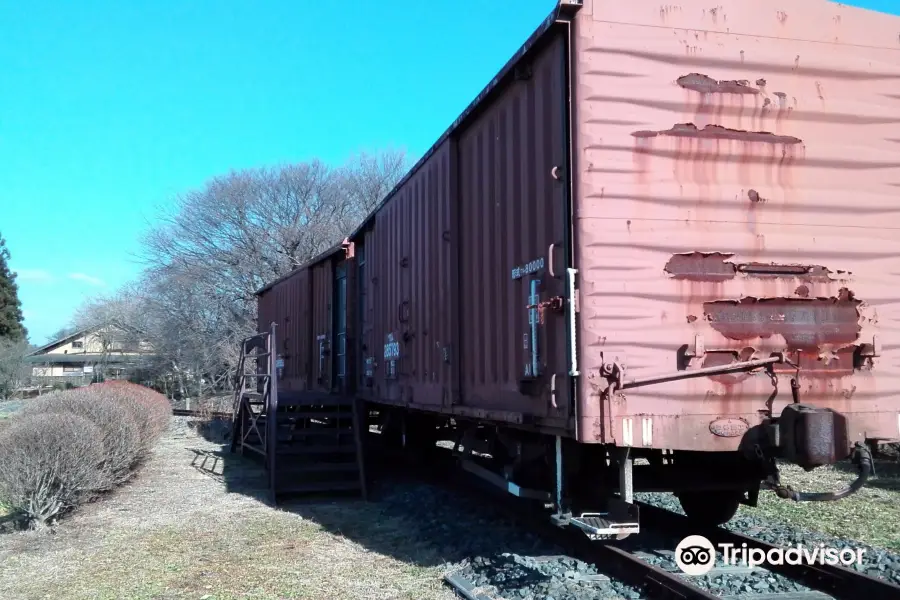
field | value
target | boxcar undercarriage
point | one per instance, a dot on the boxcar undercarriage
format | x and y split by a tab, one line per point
592	486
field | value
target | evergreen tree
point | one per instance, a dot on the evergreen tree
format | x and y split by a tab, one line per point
11	328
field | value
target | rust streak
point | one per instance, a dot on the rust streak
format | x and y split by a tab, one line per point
805	324
717	132
707	85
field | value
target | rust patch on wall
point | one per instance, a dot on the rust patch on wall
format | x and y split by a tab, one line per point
701	266
717	132
755	197
803	323
715	267
707	85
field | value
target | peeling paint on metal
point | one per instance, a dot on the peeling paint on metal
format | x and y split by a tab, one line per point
707	85
715	266
754	196
717	132
803	323
814	197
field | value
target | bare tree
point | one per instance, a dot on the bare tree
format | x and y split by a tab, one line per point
214	247
14	369
63	332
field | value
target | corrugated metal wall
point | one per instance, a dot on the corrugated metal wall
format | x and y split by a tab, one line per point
511	211
426	340
409	258
321	343
367	349
287	303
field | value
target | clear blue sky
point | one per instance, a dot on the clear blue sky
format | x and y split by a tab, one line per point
108	109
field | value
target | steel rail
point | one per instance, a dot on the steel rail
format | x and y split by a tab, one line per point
838	581
183	412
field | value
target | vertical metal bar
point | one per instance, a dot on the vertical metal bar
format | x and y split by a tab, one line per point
559	475
626	470
573	348
360	425
533	318
272	412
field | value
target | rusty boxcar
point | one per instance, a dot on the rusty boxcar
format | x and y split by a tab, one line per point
662	232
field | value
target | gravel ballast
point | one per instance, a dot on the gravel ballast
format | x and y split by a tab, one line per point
877	562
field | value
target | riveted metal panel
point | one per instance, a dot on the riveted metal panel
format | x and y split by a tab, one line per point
738	172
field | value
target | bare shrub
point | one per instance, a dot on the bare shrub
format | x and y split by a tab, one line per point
120	433
50	464
151	410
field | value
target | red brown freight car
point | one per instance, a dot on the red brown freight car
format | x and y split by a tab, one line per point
662	233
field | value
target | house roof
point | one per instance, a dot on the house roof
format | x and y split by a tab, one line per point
59	342
75	335
91	358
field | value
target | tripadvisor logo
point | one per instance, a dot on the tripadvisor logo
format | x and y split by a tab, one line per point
696	555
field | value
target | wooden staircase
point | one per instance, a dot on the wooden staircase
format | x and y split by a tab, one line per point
314	443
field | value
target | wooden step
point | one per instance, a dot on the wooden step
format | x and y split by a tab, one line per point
313	400
293	469
300	487
315	432
301	450
323	413
333	425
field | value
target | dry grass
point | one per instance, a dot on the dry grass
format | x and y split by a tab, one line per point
872	515
189	528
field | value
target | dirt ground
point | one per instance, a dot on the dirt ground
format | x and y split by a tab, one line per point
194	524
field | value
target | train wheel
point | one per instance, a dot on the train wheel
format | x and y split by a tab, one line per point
711	507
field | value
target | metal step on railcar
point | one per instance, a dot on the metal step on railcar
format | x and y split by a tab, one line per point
620	520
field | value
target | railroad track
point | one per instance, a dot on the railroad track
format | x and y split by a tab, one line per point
183	412
834	580
662	531
631	565
611	559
